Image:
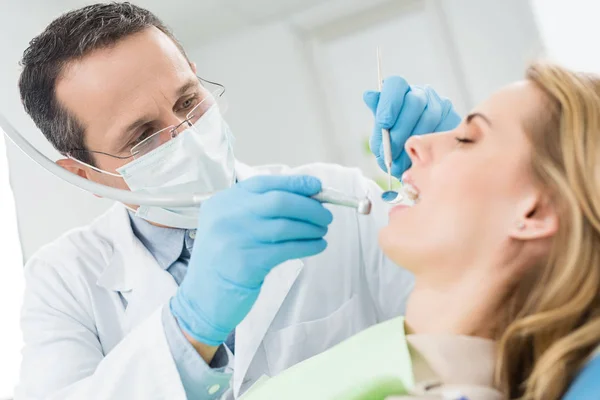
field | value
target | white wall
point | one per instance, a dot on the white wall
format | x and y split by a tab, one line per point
570	31
280	99
273	107
11	285
495	40
46	206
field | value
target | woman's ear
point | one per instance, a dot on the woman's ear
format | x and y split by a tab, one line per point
193	65
538	221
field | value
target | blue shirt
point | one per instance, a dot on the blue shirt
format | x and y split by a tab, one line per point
172	248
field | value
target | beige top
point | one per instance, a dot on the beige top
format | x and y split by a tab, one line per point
447	367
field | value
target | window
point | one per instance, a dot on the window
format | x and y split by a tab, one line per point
11	283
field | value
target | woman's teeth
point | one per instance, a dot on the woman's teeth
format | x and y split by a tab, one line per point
409	192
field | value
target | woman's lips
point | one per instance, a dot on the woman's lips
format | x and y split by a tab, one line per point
408	179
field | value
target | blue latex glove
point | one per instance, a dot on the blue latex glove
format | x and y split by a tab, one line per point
406	111
243	233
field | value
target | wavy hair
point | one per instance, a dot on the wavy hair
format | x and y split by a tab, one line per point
554	317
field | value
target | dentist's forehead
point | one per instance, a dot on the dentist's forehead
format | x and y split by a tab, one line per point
137	72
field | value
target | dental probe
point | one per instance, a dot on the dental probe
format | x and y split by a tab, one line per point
390	196
332	196
385	134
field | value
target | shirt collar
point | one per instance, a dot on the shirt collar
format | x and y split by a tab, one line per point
165	244
455	359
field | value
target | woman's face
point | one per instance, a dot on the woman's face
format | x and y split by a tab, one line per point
475	188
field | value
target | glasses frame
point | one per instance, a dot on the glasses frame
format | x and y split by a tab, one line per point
220	92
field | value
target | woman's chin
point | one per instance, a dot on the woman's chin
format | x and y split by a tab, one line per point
393	247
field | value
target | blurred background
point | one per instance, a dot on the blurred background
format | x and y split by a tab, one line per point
295	71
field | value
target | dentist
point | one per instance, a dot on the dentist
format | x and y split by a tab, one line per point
142	305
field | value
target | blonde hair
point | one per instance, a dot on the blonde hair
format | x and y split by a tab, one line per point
554	317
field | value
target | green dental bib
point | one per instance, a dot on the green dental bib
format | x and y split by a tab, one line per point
371	365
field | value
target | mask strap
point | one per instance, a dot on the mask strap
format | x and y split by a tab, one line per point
94	168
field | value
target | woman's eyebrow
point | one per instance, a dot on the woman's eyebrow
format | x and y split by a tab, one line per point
476	114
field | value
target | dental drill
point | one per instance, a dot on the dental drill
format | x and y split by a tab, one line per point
332	196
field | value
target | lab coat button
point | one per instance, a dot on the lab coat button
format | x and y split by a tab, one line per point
214	389
192	234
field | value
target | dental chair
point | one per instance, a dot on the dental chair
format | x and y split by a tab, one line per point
587	384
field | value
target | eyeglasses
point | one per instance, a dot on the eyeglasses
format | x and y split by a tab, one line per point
151	142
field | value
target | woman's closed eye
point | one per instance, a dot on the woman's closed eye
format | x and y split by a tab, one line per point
464	140
468	135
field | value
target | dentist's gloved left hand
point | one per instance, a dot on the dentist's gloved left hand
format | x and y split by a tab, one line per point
406	111
243	233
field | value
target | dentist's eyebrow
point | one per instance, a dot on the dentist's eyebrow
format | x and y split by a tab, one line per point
129	132
483	117
190	84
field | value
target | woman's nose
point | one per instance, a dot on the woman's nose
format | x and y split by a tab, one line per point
416	148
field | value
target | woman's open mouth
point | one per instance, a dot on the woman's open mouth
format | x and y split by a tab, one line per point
410	197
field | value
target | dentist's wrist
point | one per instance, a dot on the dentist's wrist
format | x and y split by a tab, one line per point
205	351
180	308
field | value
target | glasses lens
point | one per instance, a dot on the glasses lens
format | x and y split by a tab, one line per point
152	142
210	100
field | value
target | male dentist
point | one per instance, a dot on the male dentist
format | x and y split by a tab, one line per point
142	305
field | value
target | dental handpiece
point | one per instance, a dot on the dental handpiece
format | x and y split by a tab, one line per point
332	196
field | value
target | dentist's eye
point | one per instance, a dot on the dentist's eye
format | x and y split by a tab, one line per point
145	135
188	104
463	140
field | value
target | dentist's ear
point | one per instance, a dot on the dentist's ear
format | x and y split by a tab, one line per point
538	221
75	168
193	66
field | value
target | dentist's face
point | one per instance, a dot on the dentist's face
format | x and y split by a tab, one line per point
474	184
124	93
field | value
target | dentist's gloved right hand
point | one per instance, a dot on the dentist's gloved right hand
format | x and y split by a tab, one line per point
406	111
243	233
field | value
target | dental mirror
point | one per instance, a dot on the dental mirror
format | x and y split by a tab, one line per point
391	197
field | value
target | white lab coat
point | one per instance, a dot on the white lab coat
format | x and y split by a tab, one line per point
82	343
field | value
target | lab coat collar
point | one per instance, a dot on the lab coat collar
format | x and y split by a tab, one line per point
115	276
133	271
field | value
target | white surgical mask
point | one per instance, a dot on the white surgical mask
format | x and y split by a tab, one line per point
198	160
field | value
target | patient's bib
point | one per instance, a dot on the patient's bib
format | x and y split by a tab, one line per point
371	365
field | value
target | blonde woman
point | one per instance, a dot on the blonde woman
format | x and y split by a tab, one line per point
504	243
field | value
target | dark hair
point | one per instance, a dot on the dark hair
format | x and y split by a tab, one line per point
71	37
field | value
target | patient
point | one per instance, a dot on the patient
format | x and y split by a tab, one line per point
504	242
